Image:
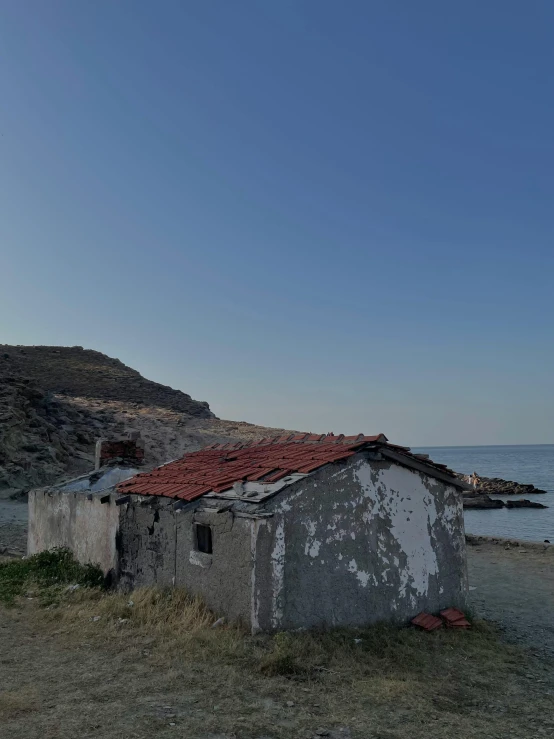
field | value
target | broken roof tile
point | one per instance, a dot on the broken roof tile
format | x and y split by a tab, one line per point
426	621
455	619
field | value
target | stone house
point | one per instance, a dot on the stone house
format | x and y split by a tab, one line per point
289	532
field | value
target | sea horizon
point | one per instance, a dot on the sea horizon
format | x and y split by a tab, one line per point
475	446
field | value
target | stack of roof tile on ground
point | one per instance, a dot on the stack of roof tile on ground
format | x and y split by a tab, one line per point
427	622
453	618
217	467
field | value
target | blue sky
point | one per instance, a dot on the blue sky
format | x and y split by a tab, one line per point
320	215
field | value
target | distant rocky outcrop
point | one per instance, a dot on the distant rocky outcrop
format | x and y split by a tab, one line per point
498	486
523	503
479	496
484	502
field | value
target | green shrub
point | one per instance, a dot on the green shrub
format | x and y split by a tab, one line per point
45	569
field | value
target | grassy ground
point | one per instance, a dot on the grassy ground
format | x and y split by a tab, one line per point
87	663
46	570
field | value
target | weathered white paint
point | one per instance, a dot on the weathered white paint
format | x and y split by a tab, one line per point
363	577
255	525
278	573
200	559
313	548
312	544
383	539
399	495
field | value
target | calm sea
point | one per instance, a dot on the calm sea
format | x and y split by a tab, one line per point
526	464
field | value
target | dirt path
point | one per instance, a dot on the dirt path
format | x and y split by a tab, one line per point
56	685
515	587
61	681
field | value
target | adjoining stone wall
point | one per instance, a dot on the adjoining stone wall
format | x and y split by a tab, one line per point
87	527
359	543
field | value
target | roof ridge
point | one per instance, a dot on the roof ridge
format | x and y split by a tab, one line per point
306	438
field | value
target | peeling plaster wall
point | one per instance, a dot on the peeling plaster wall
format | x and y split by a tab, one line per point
157	546
146	546
358	543
223	578
87	527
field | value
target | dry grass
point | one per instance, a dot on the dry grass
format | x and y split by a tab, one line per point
15	703
181	677
183	624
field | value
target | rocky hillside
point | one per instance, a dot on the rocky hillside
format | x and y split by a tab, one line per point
42	435
55	402
78	372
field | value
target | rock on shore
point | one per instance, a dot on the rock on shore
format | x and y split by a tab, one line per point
485	502
482	502
479	497
523	503
497	486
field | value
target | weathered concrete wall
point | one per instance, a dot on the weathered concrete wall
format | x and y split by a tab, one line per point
87	527
146	545
359	543
158	547
224	577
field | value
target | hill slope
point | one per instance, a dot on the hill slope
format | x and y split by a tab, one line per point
78	372
55	402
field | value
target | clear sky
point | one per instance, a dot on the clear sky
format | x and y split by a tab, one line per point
323	215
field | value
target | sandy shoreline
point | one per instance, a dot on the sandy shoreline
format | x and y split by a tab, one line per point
503	541
512	583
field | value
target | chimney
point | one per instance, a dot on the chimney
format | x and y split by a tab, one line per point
127	451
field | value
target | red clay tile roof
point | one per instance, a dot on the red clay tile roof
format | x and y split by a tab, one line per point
217	467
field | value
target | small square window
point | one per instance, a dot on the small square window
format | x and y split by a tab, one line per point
203	538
